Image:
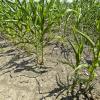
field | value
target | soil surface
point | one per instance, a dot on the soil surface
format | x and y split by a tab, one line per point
22	79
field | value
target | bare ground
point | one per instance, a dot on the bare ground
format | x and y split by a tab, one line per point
21	79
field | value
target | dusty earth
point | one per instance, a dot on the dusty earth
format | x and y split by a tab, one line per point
21	79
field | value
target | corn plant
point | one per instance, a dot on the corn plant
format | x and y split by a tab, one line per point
84	73
95	61
82	79
28	22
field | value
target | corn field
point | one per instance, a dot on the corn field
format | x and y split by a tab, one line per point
32	25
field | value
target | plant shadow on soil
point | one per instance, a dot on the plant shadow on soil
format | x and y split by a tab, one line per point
63	92
20	61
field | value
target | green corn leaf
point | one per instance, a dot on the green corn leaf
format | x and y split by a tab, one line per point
86	36
81	48
9	20
74	48
81	66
